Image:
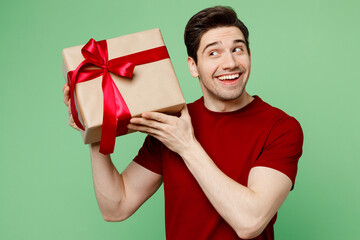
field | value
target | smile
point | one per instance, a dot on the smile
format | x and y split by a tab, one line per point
229	77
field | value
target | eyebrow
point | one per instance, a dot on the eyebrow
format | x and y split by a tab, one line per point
218	42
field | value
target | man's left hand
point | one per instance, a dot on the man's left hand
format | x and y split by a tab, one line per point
176	133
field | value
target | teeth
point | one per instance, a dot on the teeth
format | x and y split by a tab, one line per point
228	77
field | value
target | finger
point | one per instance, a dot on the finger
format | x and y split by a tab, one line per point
66	88
72	123
69	108
65	85
147	123
160	117
66	94
185	112
145	129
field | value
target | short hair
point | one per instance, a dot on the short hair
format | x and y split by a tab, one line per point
209	18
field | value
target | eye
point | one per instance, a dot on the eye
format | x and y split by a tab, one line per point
238	49
213	53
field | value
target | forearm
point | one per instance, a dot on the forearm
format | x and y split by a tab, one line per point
108	183
237	204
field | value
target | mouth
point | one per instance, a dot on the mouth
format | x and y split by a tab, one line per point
229	79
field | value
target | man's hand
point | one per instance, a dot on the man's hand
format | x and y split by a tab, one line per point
174	132
66	99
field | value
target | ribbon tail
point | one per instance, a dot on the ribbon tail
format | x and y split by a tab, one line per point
108	132
123	113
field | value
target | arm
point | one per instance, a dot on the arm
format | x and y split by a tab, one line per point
247	209
118	195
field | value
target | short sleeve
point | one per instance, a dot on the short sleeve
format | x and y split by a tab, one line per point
283	148
150	155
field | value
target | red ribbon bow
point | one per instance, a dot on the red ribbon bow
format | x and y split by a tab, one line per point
116	114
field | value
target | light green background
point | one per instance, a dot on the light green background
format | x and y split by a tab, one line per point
305	57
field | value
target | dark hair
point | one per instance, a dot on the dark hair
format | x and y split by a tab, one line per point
207	19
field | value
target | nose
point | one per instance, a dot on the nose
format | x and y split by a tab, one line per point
229	61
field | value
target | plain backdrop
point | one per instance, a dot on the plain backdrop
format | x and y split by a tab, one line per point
305	60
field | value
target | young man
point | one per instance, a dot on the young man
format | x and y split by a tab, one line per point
227	163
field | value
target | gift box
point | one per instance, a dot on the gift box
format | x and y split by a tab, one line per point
116	79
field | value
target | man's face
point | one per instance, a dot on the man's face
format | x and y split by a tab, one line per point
223	65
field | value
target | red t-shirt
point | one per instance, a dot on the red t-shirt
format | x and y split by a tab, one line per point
256	135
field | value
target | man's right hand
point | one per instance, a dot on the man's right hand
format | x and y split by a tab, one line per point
66	99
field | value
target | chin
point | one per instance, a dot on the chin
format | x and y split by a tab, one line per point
230	96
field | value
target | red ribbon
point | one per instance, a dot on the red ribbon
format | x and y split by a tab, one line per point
116	114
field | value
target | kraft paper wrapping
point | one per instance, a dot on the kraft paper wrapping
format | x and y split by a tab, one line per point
154	86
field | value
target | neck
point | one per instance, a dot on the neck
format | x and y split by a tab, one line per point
228	105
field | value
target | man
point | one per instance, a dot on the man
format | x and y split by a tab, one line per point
227	163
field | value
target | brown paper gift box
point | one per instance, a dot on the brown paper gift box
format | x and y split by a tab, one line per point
153	87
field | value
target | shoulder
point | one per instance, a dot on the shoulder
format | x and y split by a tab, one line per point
279	127
276	115
284	141
283	127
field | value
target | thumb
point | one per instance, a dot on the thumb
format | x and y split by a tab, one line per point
185	112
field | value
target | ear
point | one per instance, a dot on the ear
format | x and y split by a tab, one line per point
192	67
